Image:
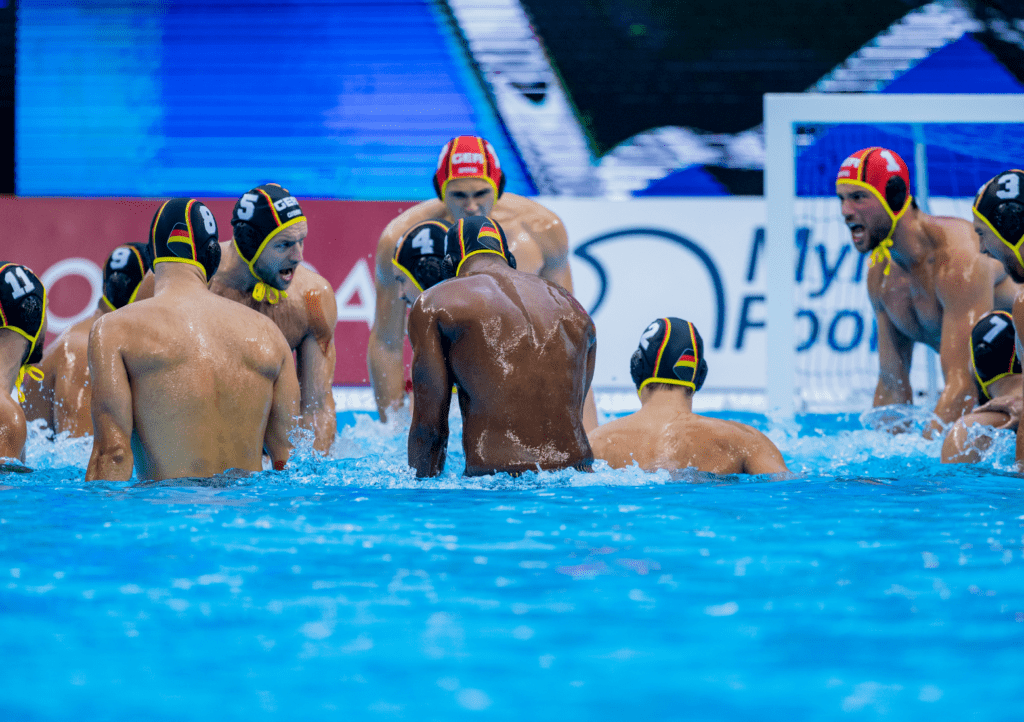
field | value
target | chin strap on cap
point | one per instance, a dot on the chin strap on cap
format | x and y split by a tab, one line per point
263	292
881	253
31	371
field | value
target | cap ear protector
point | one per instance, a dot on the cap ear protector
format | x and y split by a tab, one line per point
993	350
258	216
419	254
23	310
472	236
185	231
1000	207
468	156
123	273
671	351
882	173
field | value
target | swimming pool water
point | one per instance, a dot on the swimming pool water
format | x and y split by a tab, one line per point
876	583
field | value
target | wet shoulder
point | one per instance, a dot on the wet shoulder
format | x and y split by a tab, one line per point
527	210
954	237
735	433
542	224
405	220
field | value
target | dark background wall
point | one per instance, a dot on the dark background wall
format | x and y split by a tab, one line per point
7	56
633	65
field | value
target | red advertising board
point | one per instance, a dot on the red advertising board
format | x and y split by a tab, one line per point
67	240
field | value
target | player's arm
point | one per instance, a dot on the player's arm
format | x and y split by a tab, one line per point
39	396
112	418
13	430
432	392
284	410
316	358
895	350
965	296
1018	327
554	244
387	337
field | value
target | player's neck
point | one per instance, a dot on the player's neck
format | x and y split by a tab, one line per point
666	397
12	349
1007	386
234	271
910	244
177	276
484	263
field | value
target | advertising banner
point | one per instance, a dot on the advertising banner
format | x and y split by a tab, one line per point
67	240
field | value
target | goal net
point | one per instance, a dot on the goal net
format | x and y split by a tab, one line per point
822	336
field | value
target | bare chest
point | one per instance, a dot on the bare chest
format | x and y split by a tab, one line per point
910	302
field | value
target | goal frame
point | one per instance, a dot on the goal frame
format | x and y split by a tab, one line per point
782	111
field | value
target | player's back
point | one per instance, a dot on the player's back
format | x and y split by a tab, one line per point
202	372
663	439
518	350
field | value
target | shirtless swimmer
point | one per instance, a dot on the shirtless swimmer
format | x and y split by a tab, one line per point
262	269
999	225
468	181
63	397
187	383
928	282
521	351
997	372
668	368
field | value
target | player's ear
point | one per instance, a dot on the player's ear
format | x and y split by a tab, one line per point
700	374
511	260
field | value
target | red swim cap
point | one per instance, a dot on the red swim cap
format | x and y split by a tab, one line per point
468	156
875	169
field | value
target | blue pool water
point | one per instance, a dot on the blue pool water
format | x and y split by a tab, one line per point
874	584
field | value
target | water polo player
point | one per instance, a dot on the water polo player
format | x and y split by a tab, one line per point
418	259
468	181
63	396
187	383
22	330
668	368
262	268
997	374
928	282
521	350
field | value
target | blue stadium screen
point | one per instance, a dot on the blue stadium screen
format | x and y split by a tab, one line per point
334	100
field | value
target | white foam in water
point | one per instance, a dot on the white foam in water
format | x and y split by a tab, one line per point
373	454
44	450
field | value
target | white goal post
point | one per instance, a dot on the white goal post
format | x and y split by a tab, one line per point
782	114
